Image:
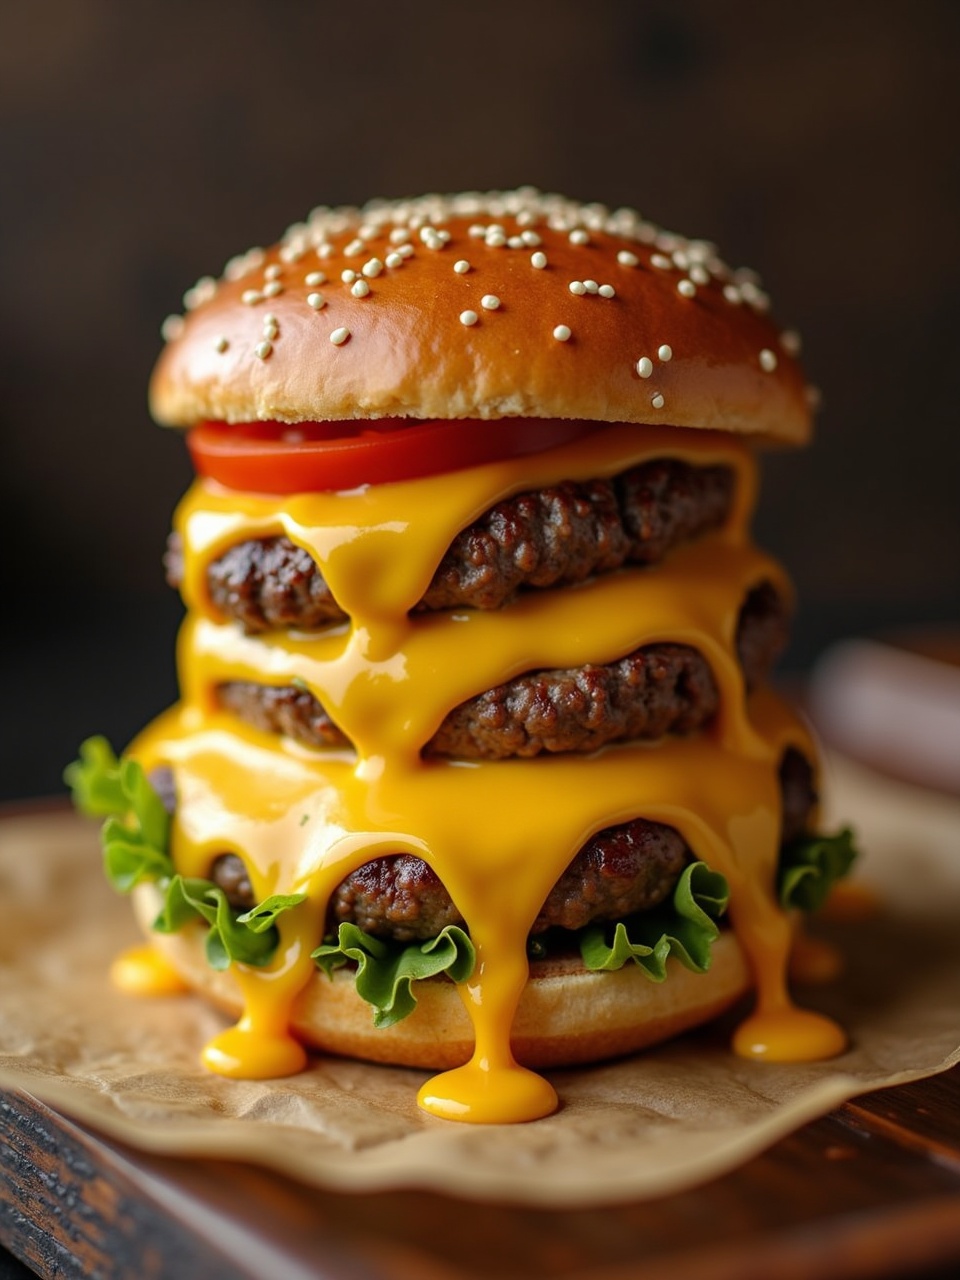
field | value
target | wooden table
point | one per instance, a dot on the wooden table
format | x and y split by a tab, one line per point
871	1190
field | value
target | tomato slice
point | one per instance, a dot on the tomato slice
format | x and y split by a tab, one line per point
307	457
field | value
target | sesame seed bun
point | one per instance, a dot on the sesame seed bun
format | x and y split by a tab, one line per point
494	306
566	1016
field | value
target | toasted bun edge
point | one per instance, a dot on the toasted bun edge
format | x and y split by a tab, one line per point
567	1015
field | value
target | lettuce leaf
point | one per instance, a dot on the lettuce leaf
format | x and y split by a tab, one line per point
230	937
260	919
684	927
810	866
136	839
136	834
94	779
387	970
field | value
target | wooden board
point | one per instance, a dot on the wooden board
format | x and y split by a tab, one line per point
872	1190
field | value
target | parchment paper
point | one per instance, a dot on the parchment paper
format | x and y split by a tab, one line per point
667	1120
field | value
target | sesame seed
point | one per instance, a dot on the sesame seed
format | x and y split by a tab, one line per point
394	260
644	366
665	353
699	275
562	333
399	235
406	251
627	259
314	278
579	236
353	248
270	331
324	250
490	302
660	261
538	260
732	294
530	239
790	341
468	317
221	344
477	231
273	272
515	242
768	360
657	400
754	297
348	276
270	318
272	289
496	239
250	297
262	349
360	289
316	300
461	267
372	268
578	287
687	288
171	328
236	267
591	286
339	337
201	292
607	291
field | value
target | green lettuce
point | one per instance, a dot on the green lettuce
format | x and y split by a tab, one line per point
136	837
810	866
387	970
685	927
136	834
251	938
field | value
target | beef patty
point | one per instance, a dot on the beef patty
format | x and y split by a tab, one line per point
546	538
661	688
621	870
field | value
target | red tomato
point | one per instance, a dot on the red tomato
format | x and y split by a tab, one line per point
305	457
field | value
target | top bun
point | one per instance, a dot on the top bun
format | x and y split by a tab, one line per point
453	313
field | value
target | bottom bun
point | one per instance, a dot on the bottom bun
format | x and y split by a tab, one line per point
567	1014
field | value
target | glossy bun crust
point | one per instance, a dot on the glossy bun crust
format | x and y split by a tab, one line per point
257	345
566	1014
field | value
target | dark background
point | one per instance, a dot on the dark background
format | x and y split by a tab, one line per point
141	144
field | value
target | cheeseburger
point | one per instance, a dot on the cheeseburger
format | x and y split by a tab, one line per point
476	766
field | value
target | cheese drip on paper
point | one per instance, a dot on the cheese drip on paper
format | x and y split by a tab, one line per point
498	834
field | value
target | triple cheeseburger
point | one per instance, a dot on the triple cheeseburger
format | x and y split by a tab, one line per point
476	762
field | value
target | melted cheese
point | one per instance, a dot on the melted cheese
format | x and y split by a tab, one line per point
145	971
302	820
